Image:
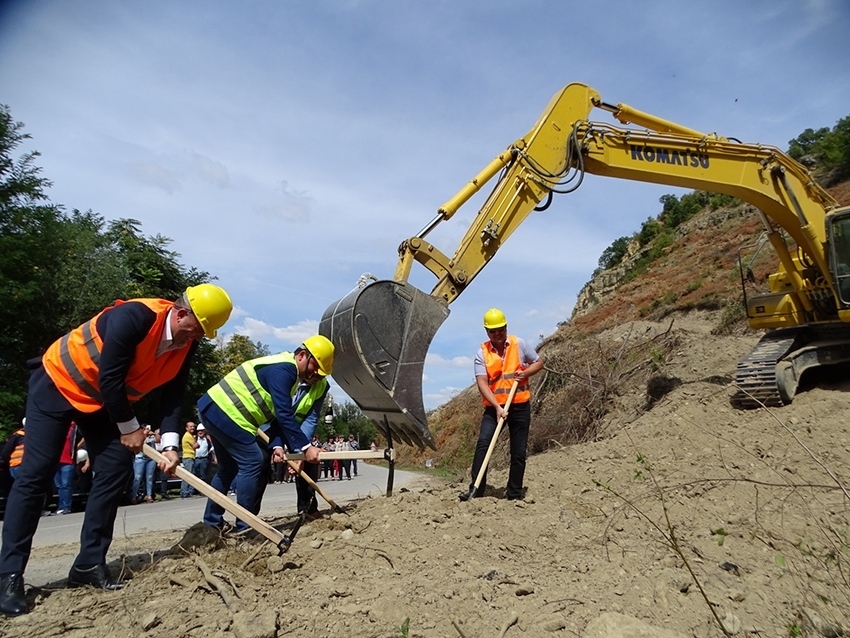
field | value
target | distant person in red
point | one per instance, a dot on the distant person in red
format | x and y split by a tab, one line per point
63	480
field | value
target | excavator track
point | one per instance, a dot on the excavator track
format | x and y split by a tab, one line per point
770	374
755	376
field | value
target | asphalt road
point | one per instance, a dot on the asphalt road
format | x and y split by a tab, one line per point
179	514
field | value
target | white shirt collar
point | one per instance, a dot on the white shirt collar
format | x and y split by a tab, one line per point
165	342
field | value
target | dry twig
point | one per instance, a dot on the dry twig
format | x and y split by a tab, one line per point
218	585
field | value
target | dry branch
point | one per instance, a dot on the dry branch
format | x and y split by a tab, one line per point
218	585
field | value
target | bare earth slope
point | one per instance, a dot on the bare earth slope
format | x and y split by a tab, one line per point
758	517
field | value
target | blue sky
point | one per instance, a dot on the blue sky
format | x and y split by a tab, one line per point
289	147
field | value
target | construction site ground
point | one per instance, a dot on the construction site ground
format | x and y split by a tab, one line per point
682	517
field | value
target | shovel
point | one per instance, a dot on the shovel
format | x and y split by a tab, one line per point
498	431
310	482
282	541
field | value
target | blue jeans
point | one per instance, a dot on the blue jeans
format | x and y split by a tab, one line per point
238	453
200	469
186	489
143	467
64	482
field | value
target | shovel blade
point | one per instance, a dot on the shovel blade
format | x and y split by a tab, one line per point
381	334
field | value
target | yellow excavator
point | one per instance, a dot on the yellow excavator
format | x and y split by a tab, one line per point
382	329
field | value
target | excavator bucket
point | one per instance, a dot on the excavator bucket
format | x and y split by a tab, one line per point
381	334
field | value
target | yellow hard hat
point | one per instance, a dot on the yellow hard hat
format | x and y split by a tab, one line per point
494	318
323	352
210	305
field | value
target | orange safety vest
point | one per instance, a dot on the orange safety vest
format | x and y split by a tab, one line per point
73	361
501	372
18	453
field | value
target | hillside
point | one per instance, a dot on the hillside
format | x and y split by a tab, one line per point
589	381
679	516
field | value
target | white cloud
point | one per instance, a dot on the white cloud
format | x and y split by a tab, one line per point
156	176
257	330
291	205
210	170
435	360
441	396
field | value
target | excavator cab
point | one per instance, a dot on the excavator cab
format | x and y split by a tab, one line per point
838	234
381	335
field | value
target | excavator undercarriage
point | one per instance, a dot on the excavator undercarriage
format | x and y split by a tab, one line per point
769	375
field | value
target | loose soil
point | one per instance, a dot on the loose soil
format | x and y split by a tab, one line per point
685	516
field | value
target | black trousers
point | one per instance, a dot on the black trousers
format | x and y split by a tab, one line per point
304	490
518	421
49	417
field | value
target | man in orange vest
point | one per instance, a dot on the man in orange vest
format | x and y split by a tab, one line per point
499	362
92	376
13	450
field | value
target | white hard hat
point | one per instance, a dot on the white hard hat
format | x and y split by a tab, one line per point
82	456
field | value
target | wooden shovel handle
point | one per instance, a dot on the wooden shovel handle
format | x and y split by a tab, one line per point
303	474
210	492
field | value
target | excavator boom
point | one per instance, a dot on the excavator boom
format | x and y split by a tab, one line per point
382	331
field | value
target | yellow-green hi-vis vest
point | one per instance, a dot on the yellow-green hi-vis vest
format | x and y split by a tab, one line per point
241	397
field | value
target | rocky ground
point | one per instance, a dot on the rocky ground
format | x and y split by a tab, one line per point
691	519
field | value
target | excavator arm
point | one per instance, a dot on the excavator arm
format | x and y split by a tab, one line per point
382	331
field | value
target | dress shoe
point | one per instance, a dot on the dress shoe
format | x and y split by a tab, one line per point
12	599
517	497
97	576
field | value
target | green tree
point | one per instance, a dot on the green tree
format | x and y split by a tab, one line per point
829	150
346	419
237	351
153	269
613	255
90	272
677	211
648	231
30	228
838	151
806	142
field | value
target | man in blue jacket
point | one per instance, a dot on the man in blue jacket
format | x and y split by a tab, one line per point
283	390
